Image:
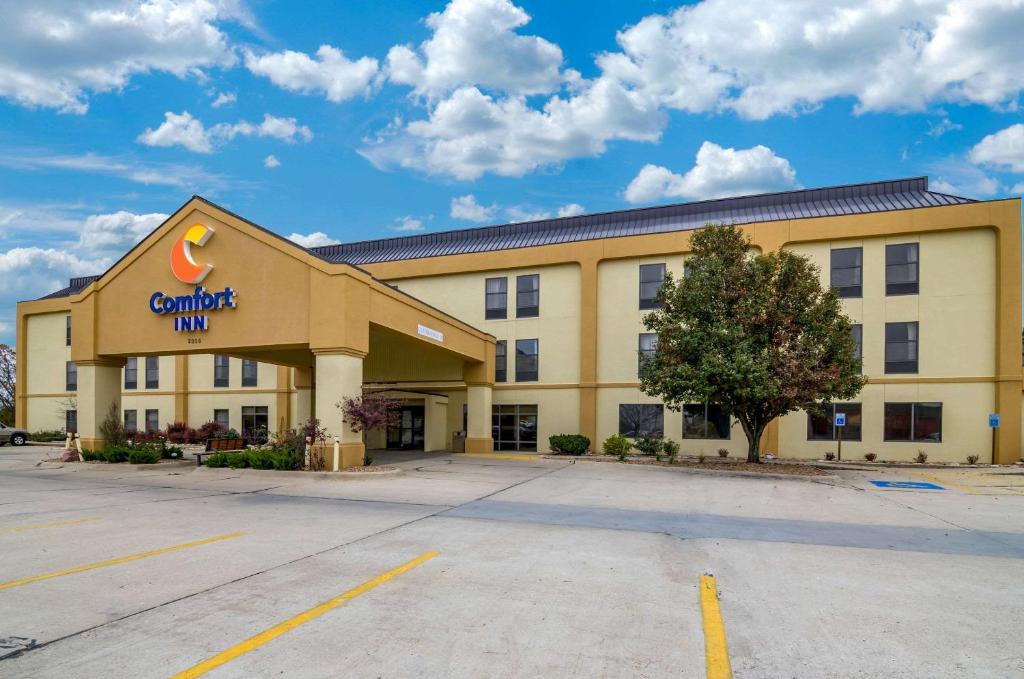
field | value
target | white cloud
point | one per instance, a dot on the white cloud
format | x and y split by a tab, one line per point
1017	189
188	177
717	172
942	127
179	129
570	210
224	98
474	41
108	236
1003	149
960	178
331	73
271	161
184	130
313	240
466	207
408	224
55	53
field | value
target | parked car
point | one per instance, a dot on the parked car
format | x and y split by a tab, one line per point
16	437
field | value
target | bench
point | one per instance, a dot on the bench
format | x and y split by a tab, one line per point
219	446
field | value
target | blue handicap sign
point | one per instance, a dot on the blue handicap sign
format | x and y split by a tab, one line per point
993	420
840	419
916	485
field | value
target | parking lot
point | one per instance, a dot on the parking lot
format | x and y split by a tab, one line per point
489	566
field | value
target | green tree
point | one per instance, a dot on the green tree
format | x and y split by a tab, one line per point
757	334
7	375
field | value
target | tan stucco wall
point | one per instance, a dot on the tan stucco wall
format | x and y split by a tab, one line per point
46	369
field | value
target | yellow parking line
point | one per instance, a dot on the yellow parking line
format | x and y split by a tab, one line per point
302	618
715	650
975	490
115	562
52	524
497	456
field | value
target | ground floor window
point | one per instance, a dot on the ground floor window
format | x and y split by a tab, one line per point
71	421
514	427
822	427
637	420
220	416
255	423
409	432
131	420
152	420
919	422
706	421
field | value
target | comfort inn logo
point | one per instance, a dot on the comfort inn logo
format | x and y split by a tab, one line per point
186	270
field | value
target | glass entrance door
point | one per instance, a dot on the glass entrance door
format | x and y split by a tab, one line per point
408	435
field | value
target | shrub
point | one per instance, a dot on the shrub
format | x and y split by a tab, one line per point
238	460
261	459
701	457
922	457
47	436
870	457
208	431
617	445
286	461
171	452
671	449
229	434
112	428
216	460
116	454
177	432
723	453
650	445
143	456
830	456
972	459
569	444
92	455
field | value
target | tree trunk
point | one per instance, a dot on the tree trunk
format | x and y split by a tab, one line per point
753	443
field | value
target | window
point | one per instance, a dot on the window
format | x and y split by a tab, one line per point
255	421
901	347
221	370
496	298
514	427
71	421
526	360
651	278
706	421
847	271
250	372
919	422
901	269
220	416
67	338
131	373
648	342
528	296
637	420
152	372
822	427
70	376
152	420
131	420
501	361
858	340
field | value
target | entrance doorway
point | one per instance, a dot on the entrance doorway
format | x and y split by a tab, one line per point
408	434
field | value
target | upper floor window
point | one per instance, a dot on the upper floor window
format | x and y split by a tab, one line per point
823	427
221	370
131	373
67	336
528	296
651	278
920	422
527	356
901	347
901	269
705	421
70	376
496	298
647	346
152	372
847	271
639	420
500	362
250	373
857	330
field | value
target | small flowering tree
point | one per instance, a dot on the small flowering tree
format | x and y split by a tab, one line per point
369	412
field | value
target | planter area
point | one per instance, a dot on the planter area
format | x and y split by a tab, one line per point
770	467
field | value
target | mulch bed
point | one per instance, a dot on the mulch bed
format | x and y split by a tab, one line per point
719	464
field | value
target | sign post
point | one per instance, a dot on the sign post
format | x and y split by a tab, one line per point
993	424
840	425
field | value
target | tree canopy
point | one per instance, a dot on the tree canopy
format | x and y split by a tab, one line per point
755	333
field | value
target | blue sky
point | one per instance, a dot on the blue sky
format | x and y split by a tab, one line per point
355	120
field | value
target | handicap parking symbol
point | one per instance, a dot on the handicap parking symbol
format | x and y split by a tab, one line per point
916	485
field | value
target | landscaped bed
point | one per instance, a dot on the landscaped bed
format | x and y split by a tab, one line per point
717	464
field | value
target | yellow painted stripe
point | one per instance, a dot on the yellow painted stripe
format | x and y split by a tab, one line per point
52	524
115	562
274	632
497	456
715	650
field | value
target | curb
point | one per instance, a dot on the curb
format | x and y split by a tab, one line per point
298	475
722	472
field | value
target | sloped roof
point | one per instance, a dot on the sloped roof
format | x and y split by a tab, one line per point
852	199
